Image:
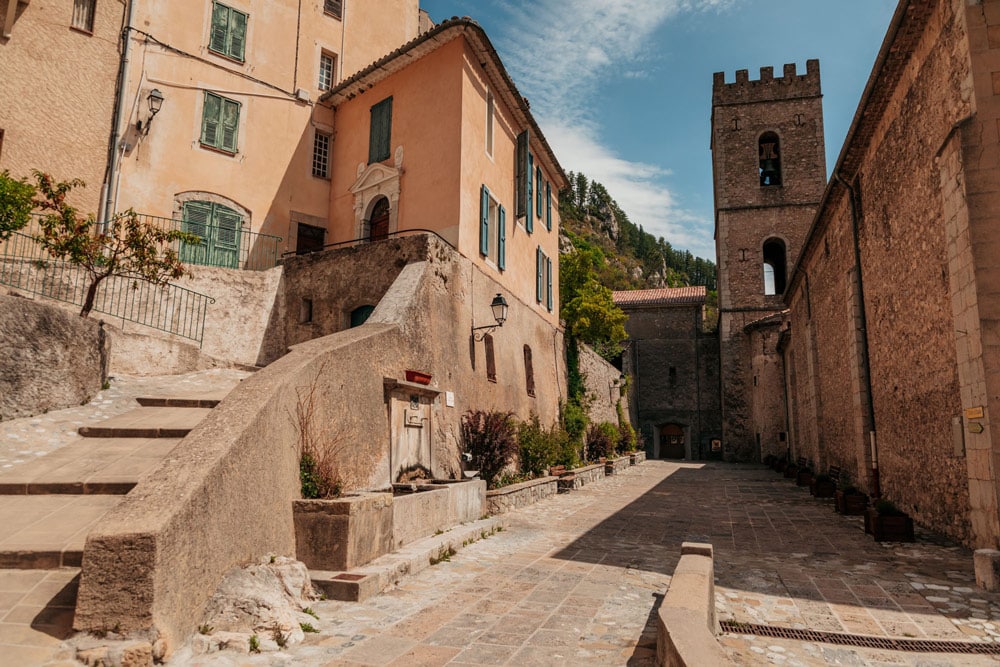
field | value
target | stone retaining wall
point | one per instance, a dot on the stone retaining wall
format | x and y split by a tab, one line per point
499	501
619	465
635	458
580	477
686	625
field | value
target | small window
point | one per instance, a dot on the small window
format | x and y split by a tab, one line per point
380	135
672	376
774	267
305	311
83	14
489	123
309	238
529	372
327	67
333	8
321	155
492	229
360	315
491	364
229	31
769	165
220	123
543	274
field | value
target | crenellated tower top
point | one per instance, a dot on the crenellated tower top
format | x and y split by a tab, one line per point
790	86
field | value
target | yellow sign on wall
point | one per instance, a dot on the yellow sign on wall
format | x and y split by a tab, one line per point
974	413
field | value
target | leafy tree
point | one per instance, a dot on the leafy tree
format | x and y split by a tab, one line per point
16	202
127	246
592	317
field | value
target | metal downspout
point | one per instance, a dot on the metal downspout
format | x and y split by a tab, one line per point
866	371
108	191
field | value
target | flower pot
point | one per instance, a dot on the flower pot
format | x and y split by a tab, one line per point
418	377
804	478
892	527
791	471
824	488
850	504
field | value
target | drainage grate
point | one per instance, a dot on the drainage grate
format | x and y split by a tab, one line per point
863	641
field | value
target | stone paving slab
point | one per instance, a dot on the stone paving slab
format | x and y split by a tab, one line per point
95	465
44	532
148	423
36	615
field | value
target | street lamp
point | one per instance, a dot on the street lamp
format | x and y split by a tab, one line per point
499	307
155	101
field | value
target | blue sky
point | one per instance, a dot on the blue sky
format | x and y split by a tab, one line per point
622	88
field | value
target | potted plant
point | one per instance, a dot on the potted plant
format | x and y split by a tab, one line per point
850	501
791	471
823	486
804	477
889	523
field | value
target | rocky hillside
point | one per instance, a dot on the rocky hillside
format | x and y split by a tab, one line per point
635	259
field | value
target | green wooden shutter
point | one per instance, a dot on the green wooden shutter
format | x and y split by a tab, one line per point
220	28
502	238
548	206
521	165
484	221
237	34
539	271
210	117
196	219
230	125
548	288
225	247
529	220
380	133
538	191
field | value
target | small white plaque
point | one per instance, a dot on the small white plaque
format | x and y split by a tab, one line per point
449	399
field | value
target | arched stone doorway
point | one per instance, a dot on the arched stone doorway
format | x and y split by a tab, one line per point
673	441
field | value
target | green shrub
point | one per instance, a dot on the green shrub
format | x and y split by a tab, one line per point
567	451
627	440
536	446
601	440
574	420
491	438
887	508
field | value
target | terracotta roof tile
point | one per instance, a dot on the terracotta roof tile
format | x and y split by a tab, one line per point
671	296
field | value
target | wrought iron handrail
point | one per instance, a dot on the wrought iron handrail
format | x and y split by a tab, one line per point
27	267
365	239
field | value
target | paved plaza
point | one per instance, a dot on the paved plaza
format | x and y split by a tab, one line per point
575	580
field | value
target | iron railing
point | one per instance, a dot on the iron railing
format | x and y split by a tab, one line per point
222	247
368	239
27	267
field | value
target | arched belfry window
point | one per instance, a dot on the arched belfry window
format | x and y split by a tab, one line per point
769	159
774	267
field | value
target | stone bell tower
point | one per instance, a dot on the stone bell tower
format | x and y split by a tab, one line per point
769	172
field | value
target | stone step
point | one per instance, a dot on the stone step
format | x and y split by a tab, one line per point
148	423
47	532
364	582
91	466
205	401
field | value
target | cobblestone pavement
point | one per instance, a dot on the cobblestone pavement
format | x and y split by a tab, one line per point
575	581
26	438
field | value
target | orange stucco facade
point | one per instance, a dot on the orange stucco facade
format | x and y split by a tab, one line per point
440	160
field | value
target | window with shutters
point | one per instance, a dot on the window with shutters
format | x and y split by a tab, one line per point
380	134
492	229
327	67
321	155
521	175
539	192
334	8
229	31
491	362
219	229
220	123
83	15
529	178
548	206
1	143
543	279
529	372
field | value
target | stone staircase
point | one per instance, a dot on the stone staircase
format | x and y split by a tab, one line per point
49	505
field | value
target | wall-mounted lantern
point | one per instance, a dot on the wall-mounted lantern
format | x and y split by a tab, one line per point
499	308
155	101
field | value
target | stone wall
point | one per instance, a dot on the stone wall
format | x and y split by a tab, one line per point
49	359
150	564
905	291
603	387
509	498
580	477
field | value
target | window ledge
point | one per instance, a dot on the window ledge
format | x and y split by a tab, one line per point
215	149
82	31
229	58
333	16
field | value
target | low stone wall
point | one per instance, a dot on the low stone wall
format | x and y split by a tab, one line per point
635	458
343	533
49	358
499	501
686	626
580	477
423	513
618	465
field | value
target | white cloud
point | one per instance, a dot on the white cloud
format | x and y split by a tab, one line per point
559	53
